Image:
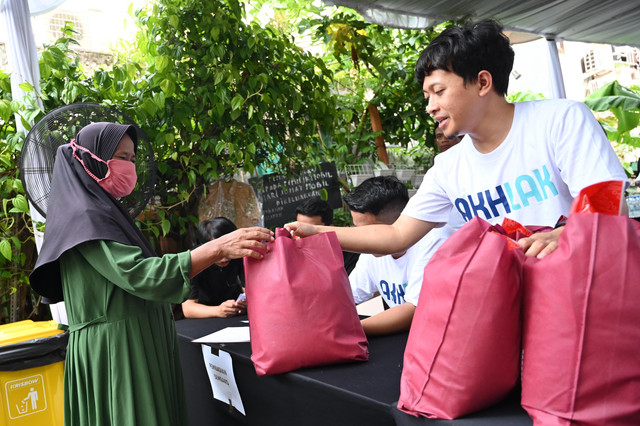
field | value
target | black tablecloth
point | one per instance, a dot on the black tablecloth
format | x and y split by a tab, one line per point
507	413
358	393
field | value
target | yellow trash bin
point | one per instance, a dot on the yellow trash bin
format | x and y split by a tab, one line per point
32	373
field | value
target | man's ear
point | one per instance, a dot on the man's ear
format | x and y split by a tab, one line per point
484	82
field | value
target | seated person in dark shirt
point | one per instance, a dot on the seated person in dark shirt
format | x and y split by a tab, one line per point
214	291
316	211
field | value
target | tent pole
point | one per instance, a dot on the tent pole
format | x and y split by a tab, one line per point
555	79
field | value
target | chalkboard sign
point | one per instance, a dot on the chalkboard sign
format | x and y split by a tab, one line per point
280	195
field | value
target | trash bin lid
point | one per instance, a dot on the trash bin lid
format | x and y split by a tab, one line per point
27	330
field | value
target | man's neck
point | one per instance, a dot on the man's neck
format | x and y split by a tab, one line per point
493	129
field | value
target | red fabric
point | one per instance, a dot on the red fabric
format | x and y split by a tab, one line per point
581	363
300	306
463	351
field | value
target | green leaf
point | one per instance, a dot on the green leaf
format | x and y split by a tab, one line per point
26	86
166	226
20	204
218	78
613	95
161	62
168	87
5	110
220	146
324	194
5	249
16	242
236	102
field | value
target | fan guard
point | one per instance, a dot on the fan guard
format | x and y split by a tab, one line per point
57	128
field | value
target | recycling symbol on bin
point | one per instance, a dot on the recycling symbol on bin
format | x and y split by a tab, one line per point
25	396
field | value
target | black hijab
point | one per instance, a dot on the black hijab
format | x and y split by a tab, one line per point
80	210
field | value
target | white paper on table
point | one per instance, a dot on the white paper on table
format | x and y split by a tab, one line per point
226	335
223	383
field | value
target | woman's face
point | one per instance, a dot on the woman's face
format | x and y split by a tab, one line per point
124	150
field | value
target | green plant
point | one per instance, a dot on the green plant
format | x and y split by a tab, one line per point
623	105
342	217
218	93
527	95
373	66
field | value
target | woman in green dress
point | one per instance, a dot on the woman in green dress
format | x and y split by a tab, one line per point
122	365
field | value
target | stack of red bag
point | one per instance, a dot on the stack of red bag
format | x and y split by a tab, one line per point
580	330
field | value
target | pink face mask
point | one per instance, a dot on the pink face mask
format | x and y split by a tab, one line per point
121	176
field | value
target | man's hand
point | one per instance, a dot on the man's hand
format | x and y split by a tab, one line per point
299	229
541	244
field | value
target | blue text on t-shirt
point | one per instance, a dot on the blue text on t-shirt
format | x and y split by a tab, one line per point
393	292
511	196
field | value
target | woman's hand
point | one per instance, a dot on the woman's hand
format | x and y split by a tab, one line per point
243	242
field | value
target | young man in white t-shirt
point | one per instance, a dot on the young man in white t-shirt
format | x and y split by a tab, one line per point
524	161
397	277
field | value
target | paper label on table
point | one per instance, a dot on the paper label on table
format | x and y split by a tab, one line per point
223	383
226	335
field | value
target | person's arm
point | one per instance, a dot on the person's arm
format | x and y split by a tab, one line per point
393	320
243	242
192	309
376	239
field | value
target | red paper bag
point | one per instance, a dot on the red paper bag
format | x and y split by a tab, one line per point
604	197
463	351
300	306
581	337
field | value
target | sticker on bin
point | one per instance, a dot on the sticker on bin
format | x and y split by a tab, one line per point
25	396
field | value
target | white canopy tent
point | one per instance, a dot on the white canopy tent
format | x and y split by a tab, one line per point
593	21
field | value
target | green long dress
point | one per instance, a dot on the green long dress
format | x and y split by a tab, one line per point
122	366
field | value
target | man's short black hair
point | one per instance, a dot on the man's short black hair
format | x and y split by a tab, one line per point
382	196
467	50
316	206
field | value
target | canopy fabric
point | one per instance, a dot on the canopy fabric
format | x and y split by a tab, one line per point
593	21
38	7
21	48
23	64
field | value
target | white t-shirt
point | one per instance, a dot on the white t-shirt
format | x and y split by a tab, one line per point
553	150
398	280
